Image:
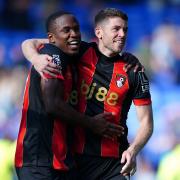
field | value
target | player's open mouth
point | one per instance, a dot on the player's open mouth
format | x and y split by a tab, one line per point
74	43
121	42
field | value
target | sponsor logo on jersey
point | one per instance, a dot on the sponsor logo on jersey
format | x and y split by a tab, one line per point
99	93
120	80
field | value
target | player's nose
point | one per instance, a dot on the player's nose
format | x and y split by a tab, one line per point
74	33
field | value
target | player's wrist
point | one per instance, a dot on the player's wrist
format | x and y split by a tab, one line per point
88	122
133	150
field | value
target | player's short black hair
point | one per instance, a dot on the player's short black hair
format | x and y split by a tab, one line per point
109	12
50	22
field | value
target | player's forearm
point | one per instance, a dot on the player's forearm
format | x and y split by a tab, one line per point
143	135
145	130
29	48
69	115
53	93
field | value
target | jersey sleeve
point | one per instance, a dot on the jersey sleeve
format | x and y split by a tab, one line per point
57	57
140	88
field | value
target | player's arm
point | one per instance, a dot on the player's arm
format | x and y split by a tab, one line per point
140	93
144	132
30	46
56	107
145	117
53	97
42	62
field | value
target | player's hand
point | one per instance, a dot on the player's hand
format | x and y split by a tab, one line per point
43	65
132	62
129	161
101	126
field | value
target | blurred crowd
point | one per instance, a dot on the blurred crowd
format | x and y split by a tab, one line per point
154	37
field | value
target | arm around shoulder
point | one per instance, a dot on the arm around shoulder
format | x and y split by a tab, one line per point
29	48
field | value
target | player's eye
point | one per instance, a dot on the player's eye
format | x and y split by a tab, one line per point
66	29
76	29
115	29
125	29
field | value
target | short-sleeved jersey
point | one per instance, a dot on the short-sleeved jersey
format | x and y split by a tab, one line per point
42	140
103	86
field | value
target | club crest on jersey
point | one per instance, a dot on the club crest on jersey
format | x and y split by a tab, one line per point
120	80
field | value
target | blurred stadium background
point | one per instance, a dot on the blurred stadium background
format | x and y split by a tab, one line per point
153	36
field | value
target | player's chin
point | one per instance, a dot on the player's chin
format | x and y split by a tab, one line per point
73	52
119	49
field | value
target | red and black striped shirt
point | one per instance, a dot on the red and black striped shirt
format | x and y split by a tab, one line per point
103	86
42	140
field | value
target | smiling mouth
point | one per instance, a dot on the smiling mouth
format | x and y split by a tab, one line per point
74	43
120	41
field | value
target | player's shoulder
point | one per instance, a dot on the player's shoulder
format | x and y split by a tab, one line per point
128	56
85	46
60	58
139	76
88	44
49	49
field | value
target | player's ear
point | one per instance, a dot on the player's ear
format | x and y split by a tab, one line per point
51	37
98	32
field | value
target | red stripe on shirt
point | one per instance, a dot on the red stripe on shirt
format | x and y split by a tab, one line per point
67	83
85	75
22	130
40	47
141	102
108	147
59	146
58	76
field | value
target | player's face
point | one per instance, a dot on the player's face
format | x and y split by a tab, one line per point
67	34
112	34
